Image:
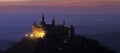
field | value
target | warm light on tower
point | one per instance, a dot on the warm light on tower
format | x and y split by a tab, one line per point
41	34
31	35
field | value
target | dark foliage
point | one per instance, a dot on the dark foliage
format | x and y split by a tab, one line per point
74	44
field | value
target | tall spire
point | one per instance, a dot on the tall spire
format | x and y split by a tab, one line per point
34	23
53	21
43	20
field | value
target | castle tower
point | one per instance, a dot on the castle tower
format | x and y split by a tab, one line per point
53	22
43	20
64	23
72	30
34	26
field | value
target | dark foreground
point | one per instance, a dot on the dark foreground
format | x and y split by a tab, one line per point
74	44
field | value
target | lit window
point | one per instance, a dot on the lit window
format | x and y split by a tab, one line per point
26	35
65	41
60	48
31	35
41	34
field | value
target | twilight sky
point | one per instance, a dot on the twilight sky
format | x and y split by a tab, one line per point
88	16
36	6
60	2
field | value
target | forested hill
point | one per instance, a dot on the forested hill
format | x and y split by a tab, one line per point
74	44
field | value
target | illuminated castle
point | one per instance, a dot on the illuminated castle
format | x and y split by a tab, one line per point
52	30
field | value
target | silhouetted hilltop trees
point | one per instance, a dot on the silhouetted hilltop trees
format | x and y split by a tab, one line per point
74	44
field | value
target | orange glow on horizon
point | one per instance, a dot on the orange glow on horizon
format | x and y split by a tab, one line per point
58	2
37	6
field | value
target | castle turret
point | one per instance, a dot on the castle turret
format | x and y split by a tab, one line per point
72	30
43	20
53	22
64	23
34	26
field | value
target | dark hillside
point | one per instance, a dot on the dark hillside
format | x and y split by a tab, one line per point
78	44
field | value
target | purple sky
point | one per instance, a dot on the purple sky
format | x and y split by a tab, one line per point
88	16
59	6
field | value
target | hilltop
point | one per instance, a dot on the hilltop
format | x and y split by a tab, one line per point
56	38
78	44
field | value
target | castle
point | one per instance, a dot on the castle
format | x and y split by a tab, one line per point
52	30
